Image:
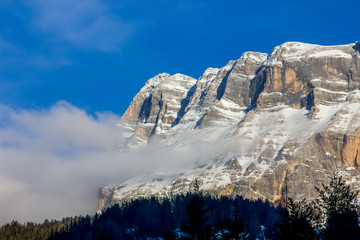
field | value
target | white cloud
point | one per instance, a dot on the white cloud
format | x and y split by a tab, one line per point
84	23
53	161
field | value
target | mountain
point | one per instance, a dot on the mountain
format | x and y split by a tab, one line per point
245	128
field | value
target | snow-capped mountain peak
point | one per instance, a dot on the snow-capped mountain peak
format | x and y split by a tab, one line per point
241	127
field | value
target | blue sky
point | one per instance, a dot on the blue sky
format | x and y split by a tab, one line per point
97	54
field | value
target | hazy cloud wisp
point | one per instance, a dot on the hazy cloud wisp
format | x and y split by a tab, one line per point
85	24
53	161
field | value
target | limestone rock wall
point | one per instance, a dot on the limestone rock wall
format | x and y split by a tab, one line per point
295	111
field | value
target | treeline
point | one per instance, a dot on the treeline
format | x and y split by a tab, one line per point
157	218
196	216
333	215
34	231
190	216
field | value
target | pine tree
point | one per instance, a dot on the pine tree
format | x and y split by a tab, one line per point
169	235
339	206
196	226
237	226
295	222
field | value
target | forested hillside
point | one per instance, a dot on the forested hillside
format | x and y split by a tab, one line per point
333	215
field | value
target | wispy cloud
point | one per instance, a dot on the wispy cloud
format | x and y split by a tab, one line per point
53	30
87	24
14	55
54	160
5	46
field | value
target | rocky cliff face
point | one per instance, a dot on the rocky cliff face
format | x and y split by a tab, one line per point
296	110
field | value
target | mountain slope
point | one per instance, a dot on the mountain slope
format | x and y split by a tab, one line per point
243	126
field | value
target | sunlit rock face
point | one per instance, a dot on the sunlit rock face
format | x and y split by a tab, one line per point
245	125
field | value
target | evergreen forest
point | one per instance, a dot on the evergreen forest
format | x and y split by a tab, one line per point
333	215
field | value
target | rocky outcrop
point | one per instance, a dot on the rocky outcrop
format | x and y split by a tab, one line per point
303	75
158	106
226	94
104	197
295	112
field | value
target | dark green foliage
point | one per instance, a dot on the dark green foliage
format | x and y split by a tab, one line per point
236	225
32	231
338	205
231	227
154	218
195	216
295	222
196	226
170	235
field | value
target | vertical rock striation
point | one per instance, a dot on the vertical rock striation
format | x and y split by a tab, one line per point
295	110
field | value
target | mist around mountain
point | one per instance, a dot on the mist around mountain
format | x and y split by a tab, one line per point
240	129
332	215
